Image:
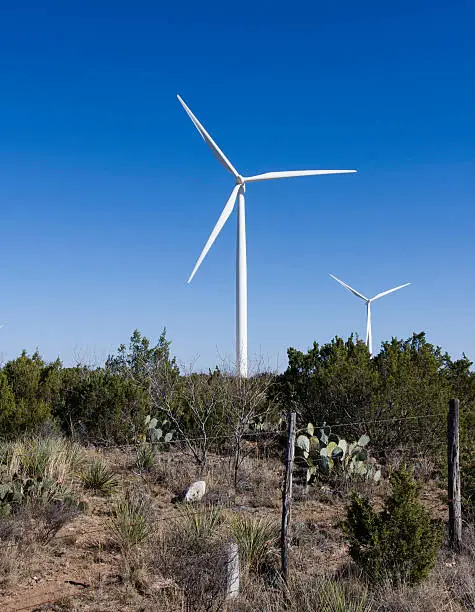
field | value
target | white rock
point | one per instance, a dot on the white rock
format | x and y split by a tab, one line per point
195	491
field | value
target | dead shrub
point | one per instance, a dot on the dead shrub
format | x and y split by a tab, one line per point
9	560
260	481
173	472
425	469
51	517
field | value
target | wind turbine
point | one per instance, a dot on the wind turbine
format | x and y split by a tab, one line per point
241	264
369	337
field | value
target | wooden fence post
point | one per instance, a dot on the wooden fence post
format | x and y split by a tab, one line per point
287	495
455	502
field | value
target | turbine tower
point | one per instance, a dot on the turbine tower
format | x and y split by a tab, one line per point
241	260
369	337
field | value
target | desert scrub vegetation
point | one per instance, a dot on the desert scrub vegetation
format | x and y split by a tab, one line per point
99	478
192	552
38	496
401	542
257	540
160	555
141	429
132	521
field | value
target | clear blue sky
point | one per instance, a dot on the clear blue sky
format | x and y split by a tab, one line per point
108	193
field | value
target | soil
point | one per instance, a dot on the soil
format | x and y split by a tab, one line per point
80	569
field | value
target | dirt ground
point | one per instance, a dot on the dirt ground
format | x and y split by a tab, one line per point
80	569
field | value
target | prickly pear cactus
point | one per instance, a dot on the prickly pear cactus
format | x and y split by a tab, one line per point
319	452
157	432
20	491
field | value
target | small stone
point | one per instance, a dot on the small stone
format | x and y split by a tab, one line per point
195	491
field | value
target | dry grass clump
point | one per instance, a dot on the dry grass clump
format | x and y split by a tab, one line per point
24	534
53	458
10	535
328	594
443	590
302	594
192	552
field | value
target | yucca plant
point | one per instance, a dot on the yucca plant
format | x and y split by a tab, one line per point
335	597
256	538
99	478
201	524
145	457
131	522
326	594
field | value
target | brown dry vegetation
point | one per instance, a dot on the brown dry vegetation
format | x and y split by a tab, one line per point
86	565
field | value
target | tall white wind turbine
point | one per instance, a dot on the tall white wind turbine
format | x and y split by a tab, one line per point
369	337
241	265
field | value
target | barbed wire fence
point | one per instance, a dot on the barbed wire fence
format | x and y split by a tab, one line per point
72	587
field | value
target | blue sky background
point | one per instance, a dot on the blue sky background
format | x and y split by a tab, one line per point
108	193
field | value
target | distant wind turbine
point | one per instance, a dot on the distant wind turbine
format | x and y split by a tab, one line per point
241	263
369	337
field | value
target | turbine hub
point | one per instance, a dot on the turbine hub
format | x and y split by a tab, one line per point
240	180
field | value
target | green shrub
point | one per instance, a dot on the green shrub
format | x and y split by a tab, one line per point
400	542
34	385
9	424
399	398
102	406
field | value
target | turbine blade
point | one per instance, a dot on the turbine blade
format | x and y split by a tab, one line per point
227	210
220	156
360	295
292	173
380	295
